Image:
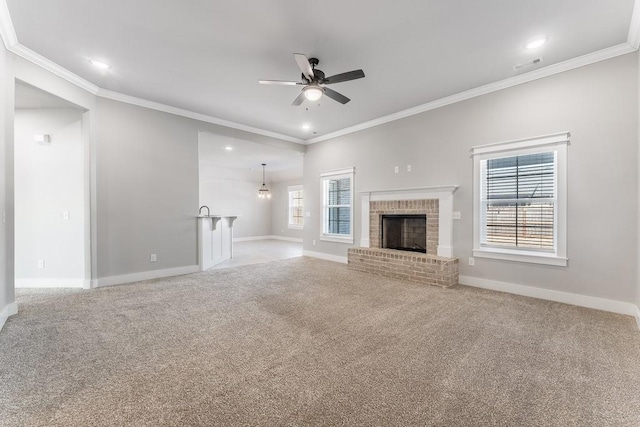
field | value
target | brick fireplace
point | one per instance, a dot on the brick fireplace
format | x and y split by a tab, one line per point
435	266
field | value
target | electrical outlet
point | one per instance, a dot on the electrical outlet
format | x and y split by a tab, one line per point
65	215
456	215
396	169
154	258
408	168
40	263
472	261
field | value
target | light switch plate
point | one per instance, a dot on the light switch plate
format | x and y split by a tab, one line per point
456	215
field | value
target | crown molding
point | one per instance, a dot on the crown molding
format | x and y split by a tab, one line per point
53	68
7	32
633	37
9	37
581	61
116	96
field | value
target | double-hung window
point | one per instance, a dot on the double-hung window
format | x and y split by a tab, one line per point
296	207
337	205
520	200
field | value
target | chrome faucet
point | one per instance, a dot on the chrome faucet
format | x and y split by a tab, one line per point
208	211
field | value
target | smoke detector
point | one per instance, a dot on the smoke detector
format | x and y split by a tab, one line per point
527	64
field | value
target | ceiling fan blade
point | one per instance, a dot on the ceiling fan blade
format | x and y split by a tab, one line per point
299	100
344	77
305	66
279	82
335	96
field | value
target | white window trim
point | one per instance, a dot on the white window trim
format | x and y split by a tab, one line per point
336	174
289	190
556	142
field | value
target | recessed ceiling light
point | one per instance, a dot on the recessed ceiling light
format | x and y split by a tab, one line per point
536	43
99	64
228	148
306	126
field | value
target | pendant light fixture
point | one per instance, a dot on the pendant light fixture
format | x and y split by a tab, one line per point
264	192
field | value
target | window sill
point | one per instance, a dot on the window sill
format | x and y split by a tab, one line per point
295	227
337	239
524	256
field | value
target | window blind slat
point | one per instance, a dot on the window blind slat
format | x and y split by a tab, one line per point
515	213
339	206
296	207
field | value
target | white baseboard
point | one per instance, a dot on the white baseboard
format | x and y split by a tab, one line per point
637	316
144	275
603	304
286	239
49	283
248	239
270	237
8	311
327	257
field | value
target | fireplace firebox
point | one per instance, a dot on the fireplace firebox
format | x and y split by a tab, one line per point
404	232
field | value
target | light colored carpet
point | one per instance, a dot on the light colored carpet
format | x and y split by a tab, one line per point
309	342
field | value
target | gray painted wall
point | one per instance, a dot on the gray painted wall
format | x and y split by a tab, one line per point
7	295
598	104
144	172
49	181
280	210
147	186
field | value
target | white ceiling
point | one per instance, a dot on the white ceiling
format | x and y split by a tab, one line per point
207	56
243	161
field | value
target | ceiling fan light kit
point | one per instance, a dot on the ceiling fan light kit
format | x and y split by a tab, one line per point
313	93
314	81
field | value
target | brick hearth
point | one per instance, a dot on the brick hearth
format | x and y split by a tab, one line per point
412	266
428	268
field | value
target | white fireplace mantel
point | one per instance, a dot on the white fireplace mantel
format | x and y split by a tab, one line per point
444	194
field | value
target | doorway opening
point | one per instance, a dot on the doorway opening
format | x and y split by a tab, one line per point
51	206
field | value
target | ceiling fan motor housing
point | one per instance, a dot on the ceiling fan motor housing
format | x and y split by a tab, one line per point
318	76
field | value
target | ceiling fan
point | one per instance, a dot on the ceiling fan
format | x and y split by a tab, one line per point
314	81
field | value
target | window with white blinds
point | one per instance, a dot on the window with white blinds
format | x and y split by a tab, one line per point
296	207
520	200
337	194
